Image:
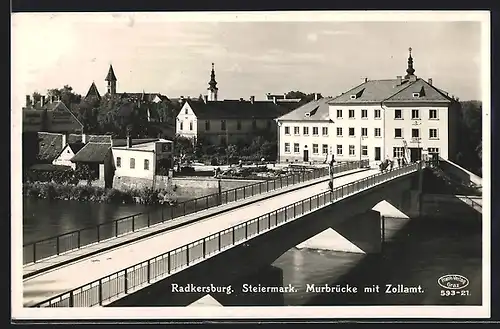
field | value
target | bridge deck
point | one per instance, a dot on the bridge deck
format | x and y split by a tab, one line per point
51	283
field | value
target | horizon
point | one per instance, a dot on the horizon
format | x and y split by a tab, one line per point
158	54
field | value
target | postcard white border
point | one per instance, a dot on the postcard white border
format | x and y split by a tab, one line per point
291	312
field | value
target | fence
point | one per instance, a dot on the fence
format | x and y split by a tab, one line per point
131	279
53	246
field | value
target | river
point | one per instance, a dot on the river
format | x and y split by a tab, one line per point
416	252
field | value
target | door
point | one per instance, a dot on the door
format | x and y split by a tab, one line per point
377	153
415	154
306	155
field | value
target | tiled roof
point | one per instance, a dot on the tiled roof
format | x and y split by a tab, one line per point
149	97
93	92
74	138
50	145
57	105
99	138
92	152
426	93
123	142
312	111
237	109
75	147
376	91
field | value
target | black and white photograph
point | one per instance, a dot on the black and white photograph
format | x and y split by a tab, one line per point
239	165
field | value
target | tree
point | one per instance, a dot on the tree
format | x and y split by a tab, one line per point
470	136
66	95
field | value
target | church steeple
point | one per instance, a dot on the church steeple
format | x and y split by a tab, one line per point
111	79
212	95
410	70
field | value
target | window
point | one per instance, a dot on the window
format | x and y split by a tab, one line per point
223	140
364	132
190	125
364	114
254	124
118	162
181	125
306	131
315	131
146	164
433	133
397	152
415	133
339	149
398	133
287	147
377	132
398	114
415	114
364	150
238	125
339	114
132	163
223	125
433	114
207	125
325	149
351	114
186	111
296	148
339	131
296	130
315	149
351	131
287	130
377	114
433	150
324	130
352	150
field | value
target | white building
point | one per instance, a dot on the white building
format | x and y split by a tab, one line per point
305	134
140	158
376	119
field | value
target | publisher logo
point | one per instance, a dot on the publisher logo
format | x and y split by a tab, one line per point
453	281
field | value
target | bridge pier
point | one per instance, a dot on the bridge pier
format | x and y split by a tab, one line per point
358	234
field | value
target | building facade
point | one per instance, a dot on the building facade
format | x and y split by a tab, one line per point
305	133
217	122
406	117
141	158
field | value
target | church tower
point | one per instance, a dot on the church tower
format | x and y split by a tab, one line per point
212	89
111	79
410	70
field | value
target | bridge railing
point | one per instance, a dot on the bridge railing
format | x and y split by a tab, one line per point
63	243
126	281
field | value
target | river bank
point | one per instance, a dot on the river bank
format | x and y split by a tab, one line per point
90	193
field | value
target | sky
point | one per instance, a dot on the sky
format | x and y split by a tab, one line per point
253	54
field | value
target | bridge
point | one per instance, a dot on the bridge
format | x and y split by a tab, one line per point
264	229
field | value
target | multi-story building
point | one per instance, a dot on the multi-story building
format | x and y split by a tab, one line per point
305	134
225	122
395	118
392	118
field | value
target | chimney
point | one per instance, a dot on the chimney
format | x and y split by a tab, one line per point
275	100
241	99
182	100
284	96
400	79
366	80
43	100
252	99
28	100
430	81
84	138
64	139
315	96
205	98
129	141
